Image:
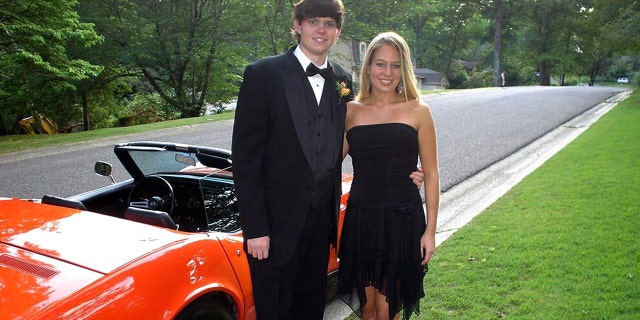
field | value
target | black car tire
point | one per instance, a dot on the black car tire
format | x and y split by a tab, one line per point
206	309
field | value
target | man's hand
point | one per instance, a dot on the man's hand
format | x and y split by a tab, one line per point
258	247
417	177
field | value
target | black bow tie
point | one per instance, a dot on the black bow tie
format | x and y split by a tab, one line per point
312	70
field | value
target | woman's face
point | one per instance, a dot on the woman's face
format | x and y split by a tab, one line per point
385	69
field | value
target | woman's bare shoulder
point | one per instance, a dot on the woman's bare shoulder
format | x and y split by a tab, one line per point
419	106
355	103
420	113
418	103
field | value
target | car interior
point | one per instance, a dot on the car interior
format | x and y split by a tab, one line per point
63	202
183	201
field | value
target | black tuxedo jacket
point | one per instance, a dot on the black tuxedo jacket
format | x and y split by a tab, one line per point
271	151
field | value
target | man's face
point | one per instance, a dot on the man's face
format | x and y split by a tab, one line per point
317	35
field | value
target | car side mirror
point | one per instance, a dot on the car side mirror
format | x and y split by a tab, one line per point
104	169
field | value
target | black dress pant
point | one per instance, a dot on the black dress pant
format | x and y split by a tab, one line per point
297	289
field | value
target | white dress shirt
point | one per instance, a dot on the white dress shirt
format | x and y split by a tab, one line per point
317	81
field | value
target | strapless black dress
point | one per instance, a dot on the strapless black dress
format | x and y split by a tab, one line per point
385	219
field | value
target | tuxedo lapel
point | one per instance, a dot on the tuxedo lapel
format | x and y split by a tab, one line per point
294	90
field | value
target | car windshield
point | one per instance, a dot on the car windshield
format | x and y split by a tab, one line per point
163	161
144	158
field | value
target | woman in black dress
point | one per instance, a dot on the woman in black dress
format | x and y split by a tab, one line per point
387	238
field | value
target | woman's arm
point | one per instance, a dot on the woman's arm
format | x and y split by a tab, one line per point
428	152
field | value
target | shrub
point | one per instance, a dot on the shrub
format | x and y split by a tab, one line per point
457	75
479	79
146	108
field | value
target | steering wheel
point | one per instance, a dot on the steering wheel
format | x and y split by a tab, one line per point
153	193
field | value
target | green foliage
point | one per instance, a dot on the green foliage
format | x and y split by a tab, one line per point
263	27
228	80
181	48
634	79
516	75
367	18
621	23
35	34
457	75
192	52
479	79
108	98
146	108
35	67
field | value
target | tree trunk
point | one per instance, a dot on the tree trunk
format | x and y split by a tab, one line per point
497	44
3	129
85	110
545	78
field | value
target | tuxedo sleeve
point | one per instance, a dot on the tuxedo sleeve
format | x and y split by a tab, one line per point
248	147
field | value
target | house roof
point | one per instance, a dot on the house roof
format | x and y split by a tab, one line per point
469	65
429	76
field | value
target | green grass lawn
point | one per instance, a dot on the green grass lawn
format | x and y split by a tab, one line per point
25	142
562	244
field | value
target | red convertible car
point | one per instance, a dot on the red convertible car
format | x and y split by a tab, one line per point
165	244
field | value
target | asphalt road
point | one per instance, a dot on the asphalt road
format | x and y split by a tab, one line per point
475	129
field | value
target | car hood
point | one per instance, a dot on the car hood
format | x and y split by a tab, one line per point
49	252
29	282
86	239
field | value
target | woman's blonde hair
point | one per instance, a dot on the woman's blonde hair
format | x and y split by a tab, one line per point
407	87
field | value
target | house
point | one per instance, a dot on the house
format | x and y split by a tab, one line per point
349	54
469	66
430	80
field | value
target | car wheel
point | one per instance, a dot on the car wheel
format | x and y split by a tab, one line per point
205	310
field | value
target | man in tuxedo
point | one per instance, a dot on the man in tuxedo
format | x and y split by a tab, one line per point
287	161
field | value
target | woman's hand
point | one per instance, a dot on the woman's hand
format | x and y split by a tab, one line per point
417	177
427	248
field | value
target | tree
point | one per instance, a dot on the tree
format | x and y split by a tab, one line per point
550	33
500	13
497	41
35	68
621	20
278	21
425	22
178	46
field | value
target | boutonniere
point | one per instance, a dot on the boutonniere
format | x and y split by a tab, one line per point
341	88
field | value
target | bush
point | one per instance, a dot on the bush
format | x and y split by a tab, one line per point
479	79
146	108
571	81
634	79
457	75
